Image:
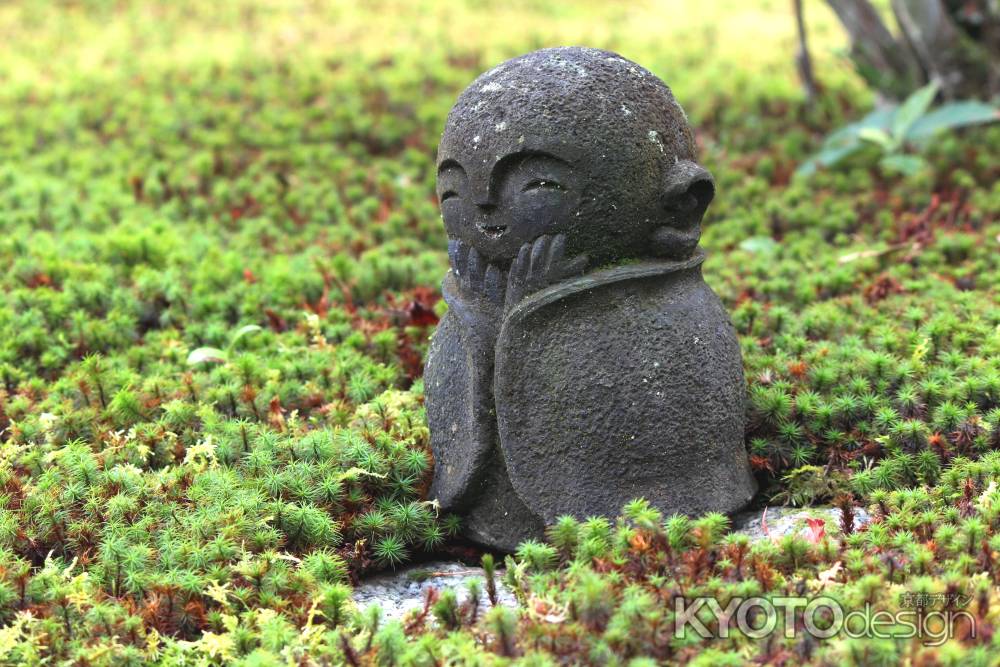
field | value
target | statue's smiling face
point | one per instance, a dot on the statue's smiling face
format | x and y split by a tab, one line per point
572	141
497	207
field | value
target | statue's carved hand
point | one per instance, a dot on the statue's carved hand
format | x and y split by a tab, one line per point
539	264
478	281
474	292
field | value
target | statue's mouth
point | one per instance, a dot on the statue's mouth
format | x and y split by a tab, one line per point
493	231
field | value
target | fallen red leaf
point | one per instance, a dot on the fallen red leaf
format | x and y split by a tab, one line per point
817	530
420	315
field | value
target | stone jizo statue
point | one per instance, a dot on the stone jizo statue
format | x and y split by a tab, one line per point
583	360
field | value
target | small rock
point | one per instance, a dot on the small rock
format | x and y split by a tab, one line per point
402	591
397	593
783	521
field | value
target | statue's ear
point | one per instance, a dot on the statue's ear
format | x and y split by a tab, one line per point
688	191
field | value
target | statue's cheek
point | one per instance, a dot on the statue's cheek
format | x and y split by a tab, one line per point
544	214
456	218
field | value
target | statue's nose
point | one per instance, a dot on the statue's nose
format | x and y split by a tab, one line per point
480	192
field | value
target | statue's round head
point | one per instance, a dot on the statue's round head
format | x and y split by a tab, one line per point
576	141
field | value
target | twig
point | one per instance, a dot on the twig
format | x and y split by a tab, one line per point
802	58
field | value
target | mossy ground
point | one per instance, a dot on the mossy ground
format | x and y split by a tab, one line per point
174	173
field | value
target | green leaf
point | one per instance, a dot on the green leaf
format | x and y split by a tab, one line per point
211	355
952	116
759	244
828	157
243	332
878	137
879	118
903	164
846	141
913	108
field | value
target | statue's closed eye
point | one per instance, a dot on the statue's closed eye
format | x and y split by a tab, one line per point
448	194
542	184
